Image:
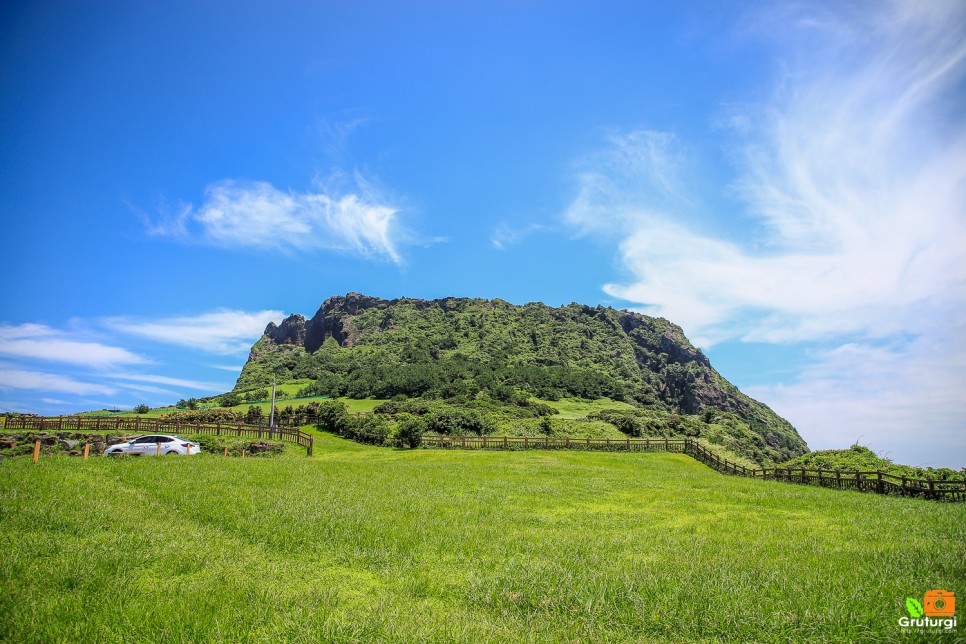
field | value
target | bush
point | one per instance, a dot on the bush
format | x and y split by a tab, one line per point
546	425
253	415
458	422
230	399
204	416
332	416
142	409
191	403
410	430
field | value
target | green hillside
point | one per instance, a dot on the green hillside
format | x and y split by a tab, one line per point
460	350
859	458
371	544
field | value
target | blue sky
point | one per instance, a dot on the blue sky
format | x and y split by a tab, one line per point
785	183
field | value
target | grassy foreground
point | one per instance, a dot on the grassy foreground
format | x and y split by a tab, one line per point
362	543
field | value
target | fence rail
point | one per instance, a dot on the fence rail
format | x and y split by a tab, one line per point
876	481
140	425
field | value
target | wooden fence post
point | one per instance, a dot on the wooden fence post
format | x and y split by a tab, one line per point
36	450
87	450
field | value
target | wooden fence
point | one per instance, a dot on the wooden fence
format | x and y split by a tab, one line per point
877	481
139	425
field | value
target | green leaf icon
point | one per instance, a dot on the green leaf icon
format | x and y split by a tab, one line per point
914	607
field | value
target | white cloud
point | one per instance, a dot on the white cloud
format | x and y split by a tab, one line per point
224	331
13	378
255	214
506	235
148	389
39	342
856	172
165	380
854	180
905	398
228	367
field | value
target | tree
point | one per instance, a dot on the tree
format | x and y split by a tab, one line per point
256	395
230	399
331	416
546	425
142	409
410	430
253	415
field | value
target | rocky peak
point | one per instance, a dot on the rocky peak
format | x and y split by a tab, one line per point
352	304
291	331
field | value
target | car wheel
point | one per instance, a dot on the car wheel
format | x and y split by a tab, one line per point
170	453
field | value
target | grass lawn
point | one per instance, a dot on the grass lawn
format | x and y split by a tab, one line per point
577	408
361	543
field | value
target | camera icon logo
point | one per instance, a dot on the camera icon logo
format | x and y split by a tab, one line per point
939	603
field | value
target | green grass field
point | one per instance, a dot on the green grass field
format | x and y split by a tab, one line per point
361	543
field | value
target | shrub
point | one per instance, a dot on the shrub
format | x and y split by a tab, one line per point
230	399
332	416
257	394
546	425
204	416
410	430
191	403
254	415
142	409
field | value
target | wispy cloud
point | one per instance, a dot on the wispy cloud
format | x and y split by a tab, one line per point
856	172
16	378
40	342
175	382
234	368
257	215
224	332
506	234
904	397
854	178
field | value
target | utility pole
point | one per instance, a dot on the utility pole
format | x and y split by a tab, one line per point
271	417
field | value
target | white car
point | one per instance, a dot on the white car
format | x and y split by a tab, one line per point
153	444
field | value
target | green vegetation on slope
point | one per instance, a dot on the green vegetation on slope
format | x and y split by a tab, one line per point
361	347
366	544
864	459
